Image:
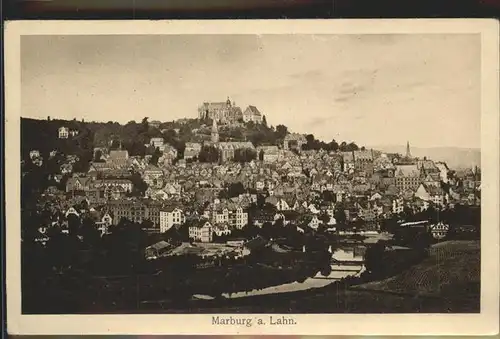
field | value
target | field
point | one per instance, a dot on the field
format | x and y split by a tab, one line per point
452	270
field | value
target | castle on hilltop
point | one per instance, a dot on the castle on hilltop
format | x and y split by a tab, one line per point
227	112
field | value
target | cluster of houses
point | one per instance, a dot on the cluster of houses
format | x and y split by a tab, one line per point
65	132
305	188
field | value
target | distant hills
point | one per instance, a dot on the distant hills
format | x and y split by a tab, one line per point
455	157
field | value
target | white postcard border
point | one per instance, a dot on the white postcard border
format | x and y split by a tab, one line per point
308	324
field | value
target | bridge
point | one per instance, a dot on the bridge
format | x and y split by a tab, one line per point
351	243
347	262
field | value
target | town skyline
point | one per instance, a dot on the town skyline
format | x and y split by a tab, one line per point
164	78
390	148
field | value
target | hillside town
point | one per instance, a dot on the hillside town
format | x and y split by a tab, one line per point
199	196
246	184
249	174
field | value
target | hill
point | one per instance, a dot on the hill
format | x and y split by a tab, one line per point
42	135
455	157
452	270
133	136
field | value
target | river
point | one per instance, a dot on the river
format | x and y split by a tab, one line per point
339	271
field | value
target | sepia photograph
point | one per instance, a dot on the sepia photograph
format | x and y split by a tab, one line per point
253	176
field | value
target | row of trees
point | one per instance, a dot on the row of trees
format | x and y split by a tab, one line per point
313	144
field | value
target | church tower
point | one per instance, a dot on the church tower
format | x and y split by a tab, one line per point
408	153
215	132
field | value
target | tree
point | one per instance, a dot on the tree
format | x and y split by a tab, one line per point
374	258
147	225
343	146
407	213
136	148
324	218
431	214
73	223
209	154
328	196
279	223
61	248
235	189
423	240
340	216
333	145
267	230
264	121
352	147
97	156
169	135
89	232
261	155
144	125
139	187
390	225
156	155
83	164
244	155
115	144
281	131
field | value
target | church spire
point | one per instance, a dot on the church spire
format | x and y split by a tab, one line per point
215	131
408	153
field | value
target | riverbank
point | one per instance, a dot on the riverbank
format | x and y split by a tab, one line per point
450	294
318	281
451	273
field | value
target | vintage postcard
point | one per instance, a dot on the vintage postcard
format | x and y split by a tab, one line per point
252	177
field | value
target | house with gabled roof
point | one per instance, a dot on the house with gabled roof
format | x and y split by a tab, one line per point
157	250
104	223
433	194
252	114
312	221
201	230
118	157
443	171
407	177
79	184
222	229
72	211
169	216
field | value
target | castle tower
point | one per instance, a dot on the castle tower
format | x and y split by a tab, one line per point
215	132
408	153
228	102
